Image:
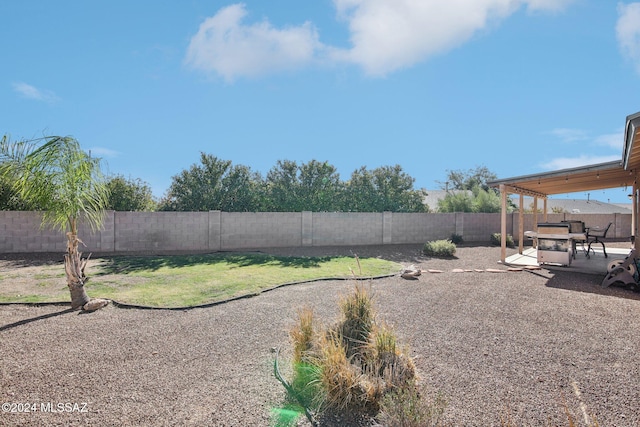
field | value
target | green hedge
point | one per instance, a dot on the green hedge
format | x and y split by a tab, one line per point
439	248
496	239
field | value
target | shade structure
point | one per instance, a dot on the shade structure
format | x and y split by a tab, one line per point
615	174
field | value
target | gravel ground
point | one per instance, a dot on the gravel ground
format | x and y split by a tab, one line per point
516	346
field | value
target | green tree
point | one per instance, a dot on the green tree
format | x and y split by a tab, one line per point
10	200
313	186
214	184
468	191
243	190
486	201
361	192
320	187
387	188
282	186
456	201
469	179
55	174
129	194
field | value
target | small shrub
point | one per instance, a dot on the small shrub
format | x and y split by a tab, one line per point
350	367
302	335
496	240
456	239
406	408
338	377
439	248
357	319
388	361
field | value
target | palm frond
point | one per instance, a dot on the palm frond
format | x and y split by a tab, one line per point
57	175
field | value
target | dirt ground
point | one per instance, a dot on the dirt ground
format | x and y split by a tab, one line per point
519	347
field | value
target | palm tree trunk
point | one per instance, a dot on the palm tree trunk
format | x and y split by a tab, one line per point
74	267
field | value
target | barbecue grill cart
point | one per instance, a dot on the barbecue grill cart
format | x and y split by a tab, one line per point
554	243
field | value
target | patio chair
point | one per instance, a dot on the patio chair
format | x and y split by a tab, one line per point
577	227
595	236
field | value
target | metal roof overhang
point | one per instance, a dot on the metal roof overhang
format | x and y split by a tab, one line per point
631	151
599	176
585	178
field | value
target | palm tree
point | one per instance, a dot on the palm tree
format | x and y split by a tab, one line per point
55	174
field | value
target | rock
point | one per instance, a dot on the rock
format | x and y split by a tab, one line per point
95	304
411	274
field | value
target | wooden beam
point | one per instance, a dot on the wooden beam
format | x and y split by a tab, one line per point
519	190
521	226
503	224
634	215
535	216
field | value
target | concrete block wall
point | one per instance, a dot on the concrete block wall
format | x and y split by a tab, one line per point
102	240
161	231
422	227
477	227
347	228
241	230
21	232
215	230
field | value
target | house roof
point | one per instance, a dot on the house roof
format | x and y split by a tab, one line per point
614	174
577	206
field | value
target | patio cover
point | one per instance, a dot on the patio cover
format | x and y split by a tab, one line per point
622	173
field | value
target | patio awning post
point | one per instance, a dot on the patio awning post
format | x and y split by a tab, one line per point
503	224
521	225
535	216
634	215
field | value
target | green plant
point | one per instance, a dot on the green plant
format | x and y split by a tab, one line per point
456	239
56	174
496	240
439	248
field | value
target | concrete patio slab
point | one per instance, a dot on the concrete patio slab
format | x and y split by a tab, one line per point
596	264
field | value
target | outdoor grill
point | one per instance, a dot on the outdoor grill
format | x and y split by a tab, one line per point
554	243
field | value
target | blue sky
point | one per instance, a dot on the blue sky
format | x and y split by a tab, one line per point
518	86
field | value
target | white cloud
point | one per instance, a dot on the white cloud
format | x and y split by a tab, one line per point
385	35
231	49
32	92
612	140
547	5
628	32
574	162
570	135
